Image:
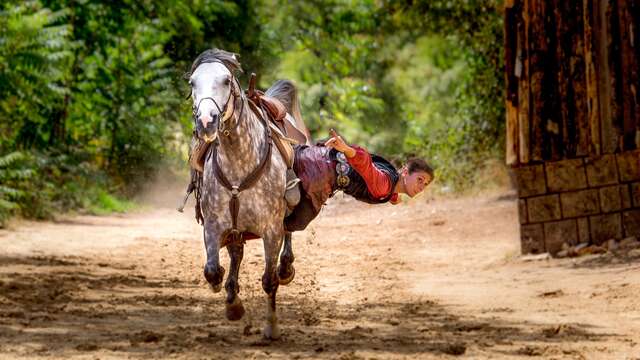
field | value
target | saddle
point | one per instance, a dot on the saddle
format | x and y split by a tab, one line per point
285	133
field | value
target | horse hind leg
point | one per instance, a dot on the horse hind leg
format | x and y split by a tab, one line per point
270	282
234	307
286	271
213	272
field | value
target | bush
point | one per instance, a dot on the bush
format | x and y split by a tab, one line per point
12	175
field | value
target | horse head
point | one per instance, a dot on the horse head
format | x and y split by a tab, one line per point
214	89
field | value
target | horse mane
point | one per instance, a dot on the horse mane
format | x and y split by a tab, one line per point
229	59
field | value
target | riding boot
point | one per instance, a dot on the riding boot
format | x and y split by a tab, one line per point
292	192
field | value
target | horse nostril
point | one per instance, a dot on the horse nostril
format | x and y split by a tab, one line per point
205	121
209	123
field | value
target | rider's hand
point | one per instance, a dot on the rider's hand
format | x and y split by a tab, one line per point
336	142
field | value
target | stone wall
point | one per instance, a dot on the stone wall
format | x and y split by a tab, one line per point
590	199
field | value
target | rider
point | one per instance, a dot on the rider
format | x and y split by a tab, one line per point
323	170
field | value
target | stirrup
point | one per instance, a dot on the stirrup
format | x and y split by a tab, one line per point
190	188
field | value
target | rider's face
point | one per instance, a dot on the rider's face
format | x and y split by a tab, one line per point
415	182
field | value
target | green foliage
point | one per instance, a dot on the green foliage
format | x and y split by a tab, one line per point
92	91
338	61
126	99
402	78
430	73
11	172
104	203
34	53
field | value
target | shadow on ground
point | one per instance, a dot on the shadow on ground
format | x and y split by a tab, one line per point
68	306
618	259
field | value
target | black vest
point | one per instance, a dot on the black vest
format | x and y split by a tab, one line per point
357	187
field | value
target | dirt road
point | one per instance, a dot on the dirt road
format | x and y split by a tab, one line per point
426	279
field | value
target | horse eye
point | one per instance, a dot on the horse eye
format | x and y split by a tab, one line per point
227	81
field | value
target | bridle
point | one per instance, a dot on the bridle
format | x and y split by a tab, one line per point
252	178
229	107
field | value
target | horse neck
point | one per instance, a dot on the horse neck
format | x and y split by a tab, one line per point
240	152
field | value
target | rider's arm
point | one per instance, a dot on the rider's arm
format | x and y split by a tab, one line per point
378	181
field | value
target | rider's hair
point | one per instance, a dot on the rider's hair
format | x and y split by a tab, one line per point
418	164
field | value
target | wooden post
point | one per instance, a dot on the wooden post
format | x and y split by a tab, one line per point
538	53
635	44
562	20
615	70
593	105
635	35
606	82
522	63
580	133
628	76
510	47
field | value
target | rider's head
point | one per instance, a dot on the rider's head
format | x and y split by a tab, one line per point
415	176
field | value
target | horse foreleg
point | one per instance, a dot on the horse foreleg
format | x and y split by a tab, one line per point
286	271
213	272
234	308
272	245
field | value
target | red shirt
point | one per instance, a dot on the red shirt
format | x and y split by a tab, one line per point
378	181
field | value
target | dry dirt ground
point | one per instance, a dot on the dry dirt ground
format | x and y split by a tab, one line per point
425	279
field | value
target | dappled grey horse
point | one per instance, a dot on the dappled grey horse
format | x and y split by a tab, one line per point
244	182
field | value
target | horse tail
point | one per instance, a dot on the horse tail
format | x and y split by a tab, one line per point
287	93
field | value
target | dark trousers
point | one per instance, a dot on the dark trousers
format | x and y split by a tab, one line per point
302	214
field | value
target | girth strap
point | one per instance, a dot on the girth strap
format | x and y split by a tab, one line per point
249	181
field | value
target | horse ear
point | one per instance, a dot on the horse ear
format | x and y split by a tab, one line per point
236	62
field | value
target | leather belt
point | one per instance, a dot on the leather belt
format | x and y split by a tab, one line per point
342	170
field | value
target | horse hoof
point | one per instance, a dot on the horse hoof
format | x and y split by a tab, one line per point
215	288
235	310
286	275
272	332
214	277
